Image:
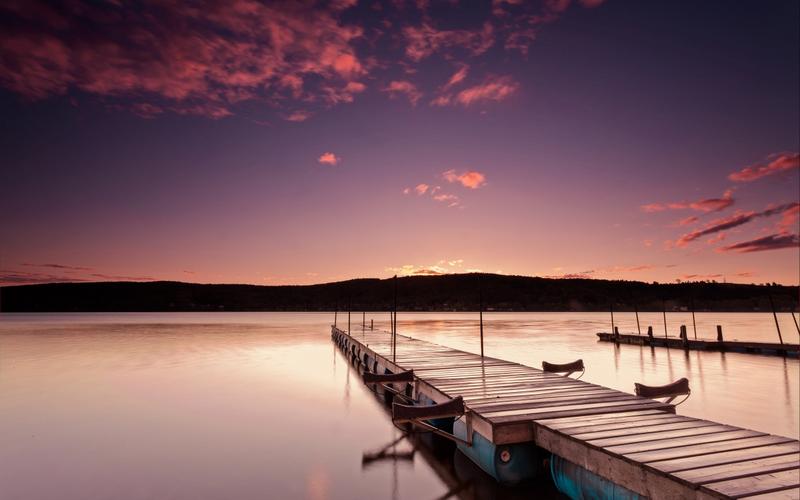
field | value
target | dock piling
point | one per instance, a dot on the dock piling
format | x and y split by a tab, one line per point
694	324
480	310
775	316
636	310
613	328
719	333
684	337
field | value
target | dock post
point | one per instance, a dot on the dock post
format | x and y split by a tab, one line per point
797	326
394	321
335	316
664	311
371	327
694	324
348	318
684	337
616	333
480	310
636	310
719	333
650	332
775	315
613	328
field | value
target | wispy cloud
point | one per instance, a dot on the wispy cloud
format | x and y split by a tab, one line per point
58	266
471	179
492	89
770	242
703	205
329	158
298	116
404	87
421	189
774	164
424	40
444	266
732	221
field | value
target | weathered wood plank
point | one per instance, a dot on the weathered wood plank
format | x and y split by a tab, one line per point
705	448
771	449
663	436
765	483
742	469
666	444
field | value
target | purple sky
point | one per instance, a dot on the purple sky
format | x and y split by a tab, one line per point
286	143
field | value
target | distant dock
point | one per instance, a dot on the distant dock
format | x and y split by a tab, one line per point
766	348
597	442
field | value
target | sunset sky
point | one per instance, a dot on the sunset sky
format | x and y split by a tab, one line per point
242	142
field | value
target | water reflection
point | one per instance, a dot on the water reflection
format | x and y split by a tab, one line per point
250	405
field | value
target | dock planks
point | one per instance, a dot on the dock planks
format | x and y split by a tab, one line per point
638	443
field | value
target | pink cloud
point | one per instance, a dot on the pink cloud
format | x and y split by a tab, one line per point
188	58
774	164
421	189
492	89
423	41
450	199
688	220
329	159
732	221
298	116
398	87
457	77
704	205
770	242
470	179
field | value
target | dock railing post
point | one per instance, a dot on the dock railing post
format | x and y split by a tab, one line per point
613	328
796	325
335	316
650	332
480	310
348	318
694	324
775	315
719	333
684	337
371	326
636	310
394	321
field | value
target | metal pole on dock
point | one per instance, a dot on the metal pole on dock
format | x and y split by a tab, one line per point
335	315
694	324
775	315
394	336
636	310
348	318
480	310
797	326
664	311
612	318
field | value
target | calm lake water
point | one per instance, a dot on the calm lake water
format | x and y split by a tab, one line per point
261	405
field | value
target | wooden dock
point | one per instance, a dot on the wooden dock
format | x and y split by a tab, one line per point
767	348
638	443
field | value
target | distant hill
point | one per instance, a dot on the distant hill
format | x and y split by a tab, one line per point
455	292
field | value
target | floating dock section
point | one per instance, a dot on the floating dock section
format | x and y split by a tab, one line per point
639	446
767	348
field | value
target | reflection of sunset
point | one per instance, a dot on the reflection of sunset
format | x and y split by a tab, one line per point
318	483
